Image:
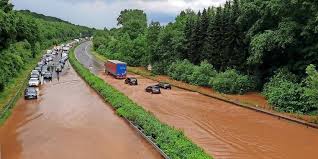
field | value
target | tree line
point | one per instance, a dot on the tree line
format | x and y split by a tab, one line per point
245	44
24	34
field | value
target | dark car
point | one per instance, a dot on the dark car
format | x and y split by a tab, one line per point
131	81
164	85
58	68
153	89
63	60
47	75
30	93
61	65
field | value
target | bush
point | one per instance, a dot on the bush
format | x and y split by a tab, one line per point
170	140
201	74
181	70
232	82
285	94
311	88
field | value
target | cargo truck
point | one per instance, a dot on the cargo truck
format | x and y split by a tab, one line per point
116	68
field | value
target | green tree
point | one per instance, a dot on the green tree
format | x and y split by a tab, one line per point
133	22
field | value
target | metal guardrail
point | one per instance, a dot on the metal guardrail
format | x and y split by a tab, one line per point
148	138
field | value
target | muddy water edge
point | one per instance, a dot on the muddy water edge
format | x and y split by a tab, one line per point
69	120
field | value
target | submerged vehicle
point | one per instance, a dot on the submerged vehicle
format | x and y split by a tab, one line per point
131	81
30	93
153	89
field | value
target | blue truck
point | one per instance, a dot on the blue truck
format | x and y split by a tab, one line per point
116	68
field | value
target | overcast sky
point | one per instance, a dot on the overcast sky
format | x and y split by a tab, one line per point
103	13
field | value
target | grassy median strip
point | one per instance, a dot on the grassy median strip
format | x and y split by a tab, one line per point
172	141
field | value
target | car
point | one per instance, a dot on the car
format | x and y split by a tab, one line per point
48	59
58	68
164	85
34	82
35	72
30	93
63	60
38	69
131	81
40	64
35	76
47	75
60	65
153	89
44	69
64	54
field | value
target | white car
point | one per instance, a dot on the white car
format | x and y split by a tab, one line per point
64	55
34	82
35	72
66	49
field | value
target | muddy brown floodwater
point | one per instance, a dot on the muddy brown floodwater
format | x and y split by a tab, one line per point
70	121
221	129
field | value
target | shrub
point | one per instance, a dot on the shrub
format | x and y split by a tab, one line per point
232	82
181	70
285	94
311	88
201	74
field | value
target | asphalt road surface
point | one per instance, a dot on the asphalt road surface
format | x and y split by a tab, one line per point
221	129
70	121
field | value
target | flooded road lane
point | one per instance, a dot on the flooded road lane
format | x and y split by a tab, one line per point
221	129
70	120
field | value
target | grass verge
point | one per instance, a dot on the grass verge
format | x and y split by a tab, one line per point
14	89
172	141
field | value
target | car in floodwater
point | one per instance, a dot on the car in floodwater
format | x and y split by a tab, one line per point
47	75
44	69
58	68
153	89
34	82
164	85
131	81
38	69
35	76
36	72
30	93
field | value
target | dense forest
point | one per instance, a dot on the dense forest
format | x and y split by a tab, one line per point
24	34
244	45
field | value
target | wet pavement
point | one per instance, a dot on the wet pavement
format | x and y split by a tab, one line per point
70	121
221	129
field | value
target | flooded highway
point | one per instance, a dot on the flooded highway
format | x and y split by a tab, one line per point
221	129
69	120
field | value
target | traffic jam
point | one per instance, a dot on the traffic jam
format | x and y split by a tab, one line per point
118	70
50	66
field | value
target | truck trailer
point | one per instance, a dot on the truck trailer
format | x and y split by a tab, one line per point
116	68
